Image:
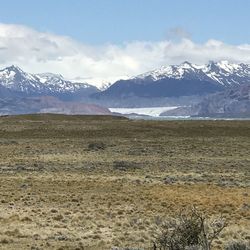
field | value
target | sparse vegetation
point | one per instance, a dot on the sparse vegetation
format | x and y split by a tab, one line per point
56	192
125	165
96	146
190	230
238	245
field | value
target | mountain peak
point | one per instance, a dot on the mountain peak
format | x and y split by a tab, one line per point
224	62
224	66
186	63
14	68
50	74
9	73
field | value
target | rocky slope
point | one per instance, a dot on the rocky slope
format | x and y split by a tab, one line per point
233	102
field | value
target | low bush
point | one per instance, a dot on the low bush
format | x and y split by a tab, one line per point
238	245
190	230
96	146
125	165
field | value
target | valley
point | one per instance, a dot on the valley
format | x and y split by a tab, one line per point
124	125
216	89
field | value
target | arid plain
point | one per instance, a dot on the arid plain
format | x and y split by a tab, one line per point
86	182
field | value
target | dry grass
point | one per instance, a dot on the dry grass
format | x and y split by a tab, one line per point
58	192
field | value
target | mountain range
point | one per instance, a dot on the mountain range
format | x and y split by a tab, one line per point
21	93
14	82
187	84
185	79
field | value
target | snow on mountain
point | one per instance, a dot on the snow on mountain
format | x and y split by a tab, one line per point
222	72
100	83
186	79
228	74
16	79
55	82
175	81
171	71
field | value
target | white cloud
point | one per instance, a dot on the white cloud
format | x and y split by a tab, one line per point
37	52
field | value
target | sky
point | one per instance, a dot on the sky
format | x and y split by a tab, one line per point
103	40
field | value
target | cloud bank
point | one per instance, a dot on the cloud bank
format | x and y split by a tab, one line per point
38	52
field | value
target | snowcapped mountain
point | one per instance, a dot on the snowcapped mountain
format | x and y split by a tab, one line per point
186	79
15	79
57	83
174	85
19	82
222	72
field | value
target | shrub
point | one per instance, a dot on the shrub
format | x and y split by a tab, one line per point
190	230
96	146
238	245
125	165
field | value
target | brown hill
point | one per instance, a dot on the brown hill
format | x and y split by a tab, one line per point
48	104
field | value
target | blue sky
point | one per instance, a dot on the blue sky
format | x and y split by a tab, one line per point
100	41
117	21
